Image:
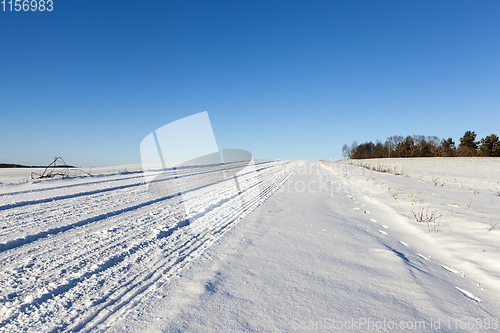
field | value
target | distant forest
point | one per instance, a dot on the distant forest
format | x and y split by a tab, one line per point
425	146
7	165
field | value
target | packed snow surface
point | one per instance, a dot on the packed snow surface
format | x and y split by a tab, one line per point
306	246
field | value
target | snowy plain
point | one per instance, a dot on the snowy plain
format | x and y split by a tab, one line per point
319	246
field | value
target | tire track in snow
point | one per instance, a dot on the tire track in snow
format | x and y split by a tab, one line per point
208	238
123	261
54	188
53	231
175	203
68	196
175	175
53	246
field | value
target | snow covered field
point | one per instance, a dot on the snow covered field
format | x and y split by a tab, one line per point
314	246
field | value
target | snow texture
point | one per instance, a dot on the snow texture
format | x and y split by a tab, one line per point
291	253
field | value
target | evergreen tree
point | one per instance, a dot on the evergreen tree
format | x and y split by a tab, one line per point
435	144
407	148
468	144
392	145
448	148
379	150
490	146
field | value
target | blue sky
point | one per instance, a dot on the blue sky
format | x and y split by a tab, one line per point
282	79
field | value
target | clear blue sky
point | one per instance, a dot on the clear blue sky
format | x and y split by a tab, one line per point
282	79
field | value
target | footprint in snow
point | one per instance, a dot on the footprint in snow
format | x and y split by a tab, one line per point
382	232
384	226
373	220
449	269
469	294
404	243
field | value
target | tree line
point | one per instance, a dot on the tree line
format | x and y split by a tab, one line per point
425	146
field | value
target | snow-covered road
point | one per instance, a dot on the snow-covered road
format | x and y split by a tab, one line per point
310	253
317	256
76	253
